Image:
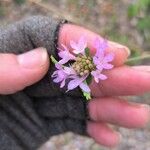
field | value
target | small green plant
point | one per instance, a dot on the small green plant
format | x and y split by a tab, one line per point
137	7
19	2
2	11
141	11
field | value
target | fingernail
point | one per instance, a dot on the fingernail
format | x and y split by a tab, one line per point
139	105
119	46
142	68
128	51
33	59
147	107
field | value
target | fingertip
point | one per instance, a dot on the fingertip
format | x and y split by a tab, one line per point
120	46
33	66
121	52
143	118
33	59
103	134
20	71
136	116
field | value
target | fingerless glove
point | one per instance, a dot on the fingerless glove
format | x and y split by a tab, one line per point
30	117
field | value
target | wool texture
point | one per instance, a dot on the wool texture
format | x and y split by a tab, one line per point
30	117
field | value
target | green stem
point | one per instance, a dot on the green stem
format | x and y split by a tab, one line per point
134	59
85	94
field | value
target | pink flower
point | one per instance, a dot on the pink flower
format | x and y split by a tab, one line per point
82	65
65	55
78	81
79	48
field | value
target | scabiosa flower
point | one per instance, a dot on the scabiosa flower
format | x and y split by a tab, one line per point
79	68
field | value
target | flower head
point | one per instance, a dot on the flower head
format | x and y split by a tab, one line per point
82	66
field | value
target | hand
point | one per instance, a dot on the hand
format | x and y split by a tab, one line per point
16	72
106	107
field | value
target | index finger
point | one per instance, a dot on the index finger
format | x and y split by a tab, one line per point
70	32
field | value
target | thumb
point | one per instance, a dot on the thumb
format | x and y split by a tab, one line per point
20	71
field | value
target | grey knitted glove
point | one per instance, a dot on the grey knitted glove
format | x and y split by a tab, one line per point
28	118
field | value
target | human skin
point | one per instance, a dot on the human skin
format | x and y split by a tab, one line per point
105	107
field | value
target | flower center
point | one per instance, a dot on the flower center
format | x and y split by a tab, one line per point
83	65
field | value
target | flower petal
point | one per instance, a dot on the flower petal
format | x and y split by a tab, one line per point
69	71
54	74
61	54
77	51
82	43
75	82
66	56
100	67
100	45
94	74
109	57
104	45
64	47
108	66
57	80
73	45
63	61
80	46
97	43
58	66
62	84
96	80
97	75
102	77
84	87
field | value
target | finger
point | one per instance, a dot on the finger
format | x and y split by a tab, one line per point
119	112
142	68
17	72
72	32
122	81
103	134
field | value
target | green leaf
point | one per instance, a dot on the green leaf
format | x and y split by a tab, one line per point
53	59
133	10
144	23
89	79
87	51
87	95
